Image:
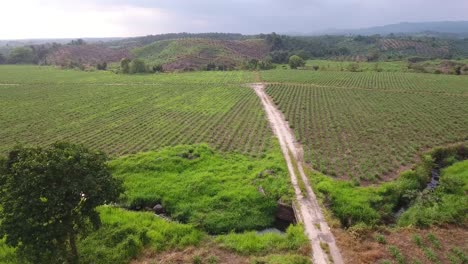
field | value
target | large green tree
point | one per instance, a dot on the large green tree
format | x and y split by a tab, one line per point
48	198
296	61
21	55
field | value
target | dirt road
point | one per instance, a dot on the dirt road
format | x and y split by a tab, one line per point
312	218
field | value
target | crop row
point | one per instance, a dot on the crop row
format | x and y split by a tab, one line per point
404	82
131	118
368	134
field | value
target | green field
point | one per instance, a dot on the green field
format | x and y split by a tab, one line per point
213	192
128	114
367	126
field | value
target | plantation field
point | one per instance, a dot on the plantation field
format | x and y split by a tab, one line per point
367	126
330	65
404	82
123	114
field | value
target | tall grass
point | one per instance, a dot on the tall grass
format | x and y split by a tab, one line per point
253	243
124	234
218	193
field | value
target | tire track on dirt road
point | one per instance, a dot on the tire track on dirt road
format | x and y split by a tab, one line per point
315	226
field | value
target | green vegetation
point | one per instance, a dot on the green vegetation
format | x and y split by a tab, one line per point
124	234
447	204
253	243
196	54
366	126
49	196
127	114
219	193
296	62
281	259
376	205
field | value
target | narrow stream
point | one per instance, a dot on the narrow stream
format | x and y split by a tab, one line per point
435	178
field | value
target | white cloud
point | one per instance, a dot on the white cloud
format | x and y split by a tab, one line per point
107	18
39	19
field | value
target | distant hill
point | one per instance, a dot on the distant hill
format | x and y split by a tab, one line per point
86	55
449	27
197	53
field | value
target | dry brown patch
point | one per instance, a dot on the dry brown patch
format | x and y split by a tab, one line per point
362	249
188	255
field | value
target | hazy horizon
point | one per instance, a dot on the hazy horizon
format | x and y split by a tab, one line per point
54	19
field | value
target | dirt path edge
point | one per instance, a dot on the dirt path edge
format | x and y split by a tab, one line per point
316	228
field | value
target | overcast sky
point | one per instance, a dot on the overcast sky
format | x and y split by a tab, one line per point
122	18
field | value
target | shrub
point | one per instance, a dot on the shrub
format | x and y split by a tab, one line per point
296	62
125	65
137	66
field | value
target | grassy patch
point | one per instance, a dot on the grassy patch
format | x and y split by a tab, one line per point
281	259
447	204
7	254
253	243
124	234
219	193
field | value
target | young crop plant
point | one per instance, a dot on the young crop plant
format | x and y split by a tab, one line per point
368	126
123	114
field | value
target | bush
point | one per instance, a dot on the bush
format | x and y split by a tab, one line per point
296	62
353	67
101	66
125	65
137	66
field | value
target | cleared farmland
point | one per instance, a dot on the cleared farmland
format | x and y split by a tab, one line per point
369	125
129	114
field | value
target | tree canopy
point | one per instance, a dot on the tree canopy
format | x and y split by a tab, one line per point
48	196
296	61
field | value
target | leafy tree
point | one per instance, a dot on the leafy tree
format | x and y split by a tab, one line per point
49	196
125	65
137	66
296	61
101	66
2	59
280	56
21	55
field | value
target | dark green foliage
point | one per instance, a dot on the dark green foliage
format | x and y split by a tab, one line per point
157	68
49	195
125	65
137	66
21	55
296	62
3	59
101	66
198	186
